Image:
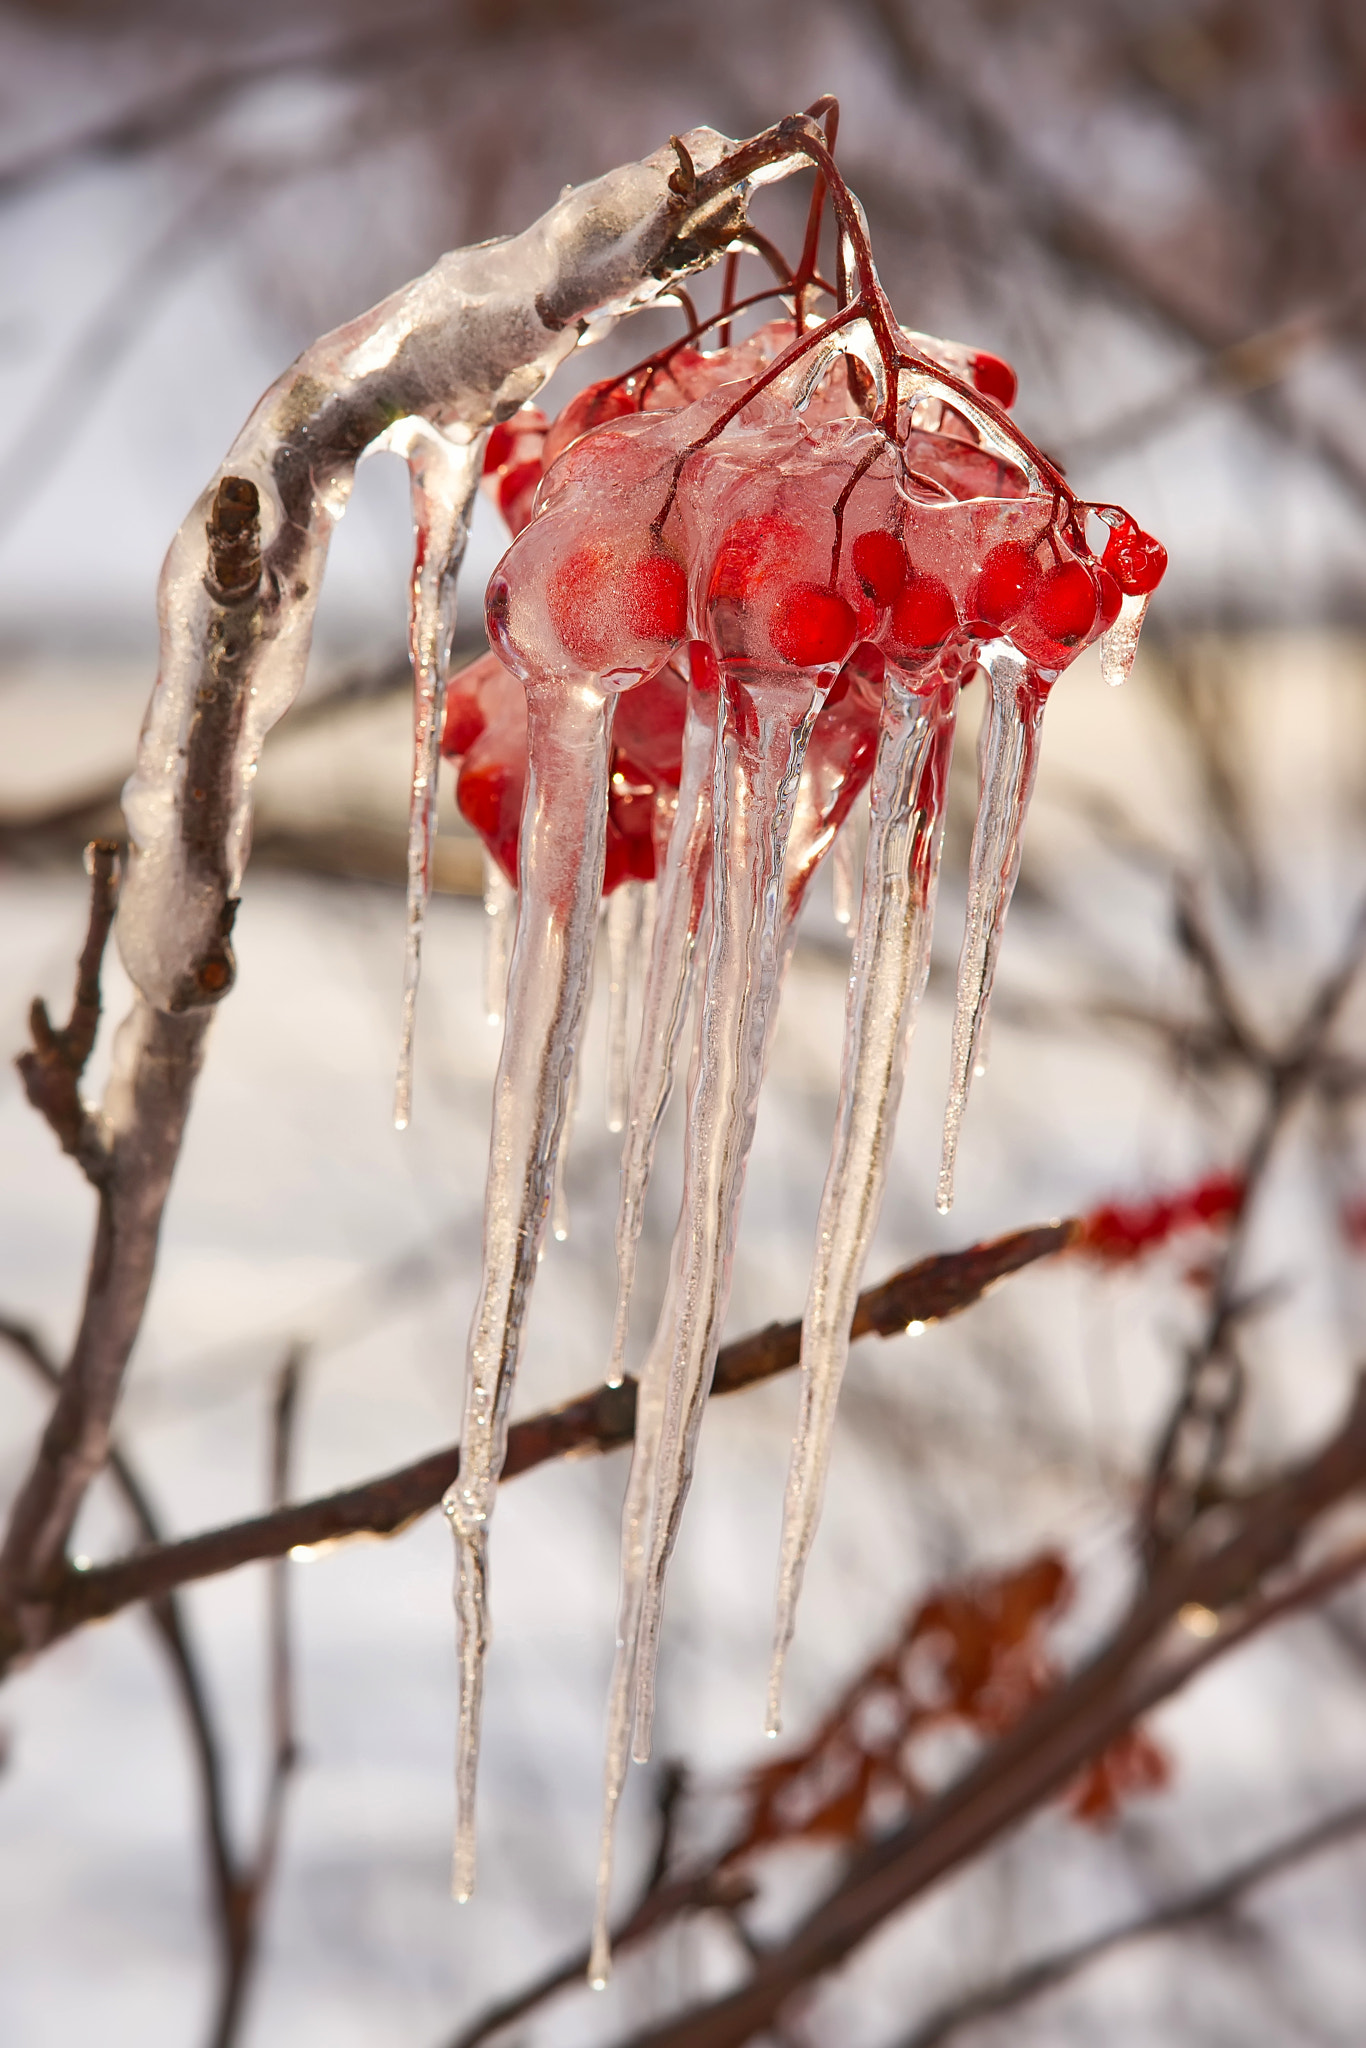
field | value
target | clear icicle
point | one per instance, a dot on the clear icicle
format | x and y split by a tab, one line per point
559	1197
843	879
624	910
650	1400
562	852
500	908
443	477
1119	645
890	968
680	897
1009	753
754	784
847	857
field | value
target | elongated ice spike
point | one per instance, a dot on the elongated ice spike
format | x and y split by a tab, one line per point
559	1194
443	475
890	967
1009	754
621	1702
562	854
754	784
681	893
500	908
625	907
843	876
1119	645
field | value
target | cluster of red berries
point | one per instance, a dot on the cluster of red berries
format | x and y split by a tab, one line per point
798	543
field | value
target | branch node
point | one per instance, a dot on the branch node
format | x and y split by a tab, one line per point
51	1069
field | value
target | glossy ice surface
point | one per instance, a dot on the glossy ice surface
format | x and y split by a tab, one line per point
734	601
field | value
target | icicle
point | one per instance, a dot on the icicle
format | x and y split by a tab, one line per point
1009	757
679	904
562	853
650	1399
624	910
843	879
500	908
1120	644
853	841
443	476
638	966
890	967
757	766
559	1197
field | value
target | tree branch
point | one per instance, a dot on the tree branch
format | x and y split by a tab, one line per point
253	1883
599	1421
1191	1447
169	1621
1204	1902
1223	1565
156	1062
51	1070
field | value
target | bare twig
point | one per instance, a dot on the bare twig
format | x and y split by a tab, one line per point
156	1062
51	1071
1203	1902
1195	1438
1088	245
658	1902
1222	1565
600	1421
254	1882
168	1618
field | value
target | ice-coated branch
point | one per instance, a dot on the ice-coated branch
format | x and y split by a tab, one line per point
601	1421
426	372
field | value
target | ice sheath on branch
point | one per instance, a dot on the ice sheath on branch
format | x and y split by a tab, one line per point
424	373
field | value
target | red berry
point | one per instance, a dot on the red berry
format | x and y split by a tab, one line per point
464	723
482	793
812	627
498	447
606	400
1065	603
880	564
1008	575
1111	597
752	553
995	379
515	493
1135	560
598	597
702	670
923	618
657	599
